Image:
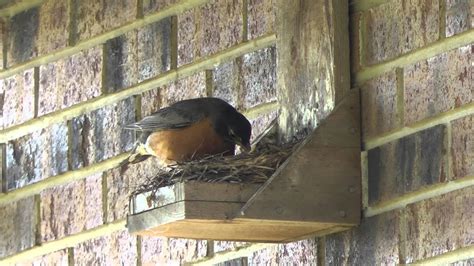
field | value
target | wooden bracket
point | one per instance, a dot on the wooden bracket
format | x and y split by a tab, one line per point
322	180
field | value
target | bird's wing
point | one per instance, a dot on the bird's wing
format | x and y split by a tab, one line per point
171	117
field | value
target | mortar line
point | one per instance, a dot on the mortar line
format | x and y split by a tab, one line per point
448	147
174	43
232	254
36	91
139	250
162	79
419	195
104	197
449	257
362	5
245	23
365	179
209	83
3	162
423	53
65	242
102	166
321	250
37	202
60	179
104	73
5	34
442	20
210	249
362	31
70	256
19	7
101	38
443	118
72	24
140	11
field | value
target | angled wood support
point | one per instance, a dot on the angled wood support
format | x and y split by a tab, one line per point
322	180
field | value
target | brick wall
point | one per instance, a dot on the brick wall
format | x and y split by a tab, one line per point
73	72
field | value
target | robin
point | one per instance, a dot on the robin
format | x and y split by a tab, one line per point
191	129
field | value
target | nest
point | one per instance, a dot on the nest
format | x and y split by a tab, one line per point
254	167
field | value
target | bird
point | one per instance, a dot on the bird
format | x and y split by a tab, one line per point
190	129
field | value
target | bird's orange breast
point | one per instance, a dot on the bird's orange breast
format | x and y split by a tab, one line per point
195	141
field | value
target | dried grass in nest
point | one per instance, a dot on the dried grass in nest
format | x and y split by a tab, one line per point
254	167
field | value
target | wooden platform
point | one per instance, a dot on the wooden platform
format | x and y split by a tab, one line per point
316	192
204	211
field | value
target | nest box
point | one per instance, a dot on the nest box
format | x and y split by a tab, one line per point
316	191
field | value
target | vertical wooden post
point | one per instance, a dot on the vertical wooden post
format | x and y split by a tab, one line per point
313	61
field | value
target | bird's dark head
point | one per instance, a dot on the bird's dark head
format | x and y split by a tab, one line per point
229	123
239	130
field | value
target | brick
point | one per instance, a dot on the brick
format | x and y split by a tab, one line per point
53	28
406	164
22	37
119	248
152	6
411	25
304	252
170	251
226	82
186	88
242	261
154	251
468	262
259	77
208	29
98	135
120	66
154	49
261	18
462	147
374	242
220	246
97	17
440	224
261	123
459	16
184	250
55	258
151	102
16	99
71	208
36	156
379	105
122	182
19	229
438	84
137	55
62	83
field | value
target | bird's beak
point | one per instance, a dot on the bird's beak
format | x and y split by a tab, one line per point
246	147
